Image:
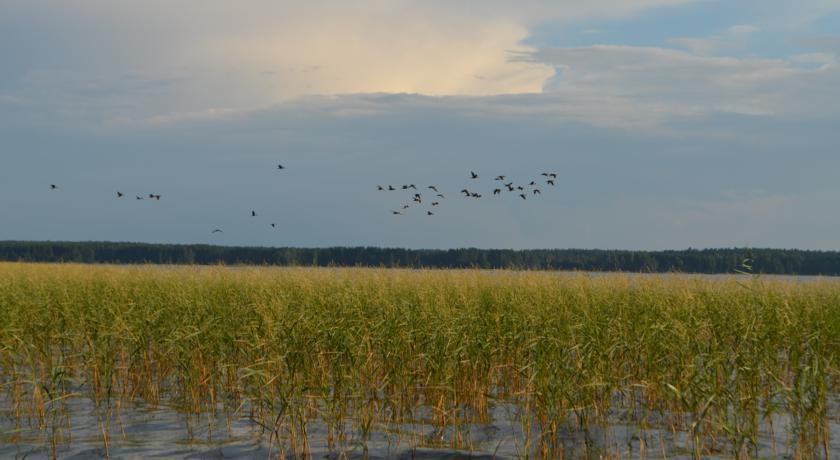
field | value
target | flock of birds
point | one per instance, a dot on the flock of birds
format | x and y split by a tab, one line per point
501	186
151	196
157	197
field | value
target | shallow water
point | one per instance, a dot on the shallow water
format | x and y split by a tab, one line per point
141	431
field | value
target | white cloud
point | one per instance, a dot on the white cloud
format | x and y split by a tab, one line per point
736	38
741	30
124	62
656	84
250	54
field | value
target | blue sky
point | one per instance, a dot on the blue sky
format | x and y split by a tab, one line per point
670	123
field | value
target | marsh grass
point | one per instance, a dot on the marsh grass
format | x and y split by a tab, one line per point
361	351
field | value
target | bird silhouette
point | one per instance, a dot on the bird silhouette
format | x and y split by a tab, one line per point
429	213
553	176
537	191
253	213
391	188
497	191
405	206
119	194
500	178
520	188
435	203
139	197
523	196
396	213
157	197
434	188
532	183
549	182
465	192
218	230
440	195
281	167
412	186
473	175
405	187
544	174
475	195
273	225
380	188
53	187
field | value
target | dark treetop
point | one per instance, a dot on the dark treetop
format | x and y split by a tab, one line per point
770	261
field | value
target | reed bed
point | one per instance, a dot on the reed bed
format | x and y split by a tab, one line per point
360	351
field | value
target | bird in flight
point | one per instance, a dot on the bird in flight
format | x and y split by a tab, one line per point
139	197
473	175
281	167
434	188
429	213
523	196
537	191
497	191
532	183
475	195
53	187
396	213
412	186
500	178
391	188
119	194
253	213
435	203
440	195
549	182
218	230
405	206
380	188
553	176
465	192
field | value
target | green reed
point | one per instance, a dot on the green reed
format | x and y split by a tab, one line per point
367	350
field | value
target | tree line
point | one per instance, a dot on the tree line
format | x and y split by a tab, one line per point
727	260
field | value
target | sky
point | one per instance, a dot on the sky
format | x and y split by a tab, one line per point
669	123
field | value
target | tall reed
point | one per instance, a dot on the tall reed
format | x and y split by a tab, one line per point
367	350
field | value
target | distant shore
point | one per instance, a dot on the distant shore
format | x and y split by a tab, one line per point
706	261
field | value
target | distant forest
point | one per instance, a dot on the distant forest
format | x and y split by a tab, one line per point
769	261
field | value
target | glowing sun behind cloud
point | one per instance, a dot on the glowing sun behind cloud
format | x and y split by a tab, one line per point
366	55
